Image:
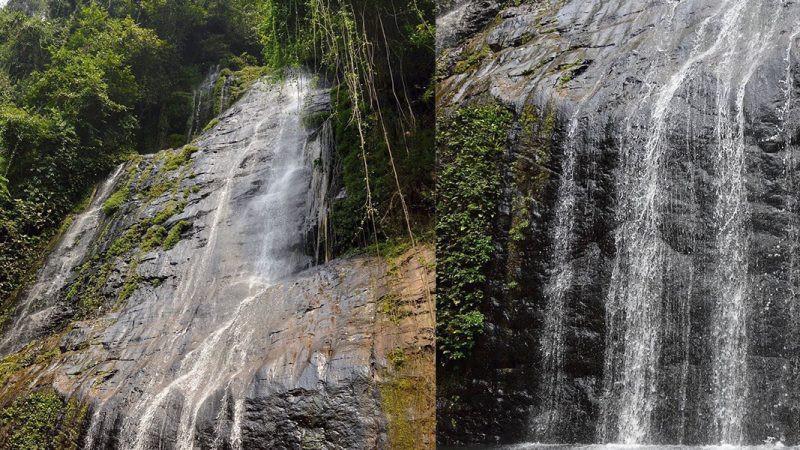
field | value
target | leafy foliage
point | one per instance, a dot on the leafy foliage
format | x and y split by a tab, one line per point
379	56
471	146
83	86
41	420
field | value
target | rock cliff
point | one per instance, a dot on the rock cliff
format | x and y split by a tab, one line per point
644	283
185	307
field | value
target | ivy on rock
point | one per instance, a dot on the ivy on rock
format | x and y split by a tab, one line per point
471	145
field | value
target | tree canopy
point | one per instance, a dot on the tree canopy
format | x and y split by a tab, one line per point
84	84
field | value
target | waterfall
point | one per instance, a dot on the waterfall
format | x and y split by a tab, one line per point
730	326
259	162
203	102
654	299
216	361
635	307
552	343
791	372
225	93
38	307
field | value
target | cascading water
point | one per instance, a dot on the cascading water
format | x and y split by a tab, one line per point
209	366
39	305
203	102
260	160
229	336
552	346
637	283
224	94
730	331
791	371
673	246
685	235
216	360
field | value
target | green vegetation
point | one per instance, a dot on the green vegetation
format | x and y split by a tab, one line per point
471	145
90	290
131	283
42	420
115	201
31	420
84	84
570	70
175	233
407	394
530	173
472	60
214	122
178	159
315	120
379	55
391	306
153	238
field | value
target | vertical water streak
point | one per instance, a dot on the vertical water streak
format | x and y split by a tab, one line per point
202	102
637	281
35	309
685	325
792	371
729	331
789	165
216	361
223	95
552	343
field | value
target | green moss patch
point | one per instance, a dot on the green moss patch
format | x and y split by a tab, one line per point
178	159
407	400
115	201
472	60
214	122
391	306
175	234
42	420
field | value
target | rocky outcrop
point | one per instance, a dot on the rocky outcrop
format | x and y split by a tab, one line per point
644	285
194	315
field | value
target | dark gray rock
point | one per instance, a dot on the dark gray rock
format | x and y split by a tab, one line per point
463	18
693	106
232	337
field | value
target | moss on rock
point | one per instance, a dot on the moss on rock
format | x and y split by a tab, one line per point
42	420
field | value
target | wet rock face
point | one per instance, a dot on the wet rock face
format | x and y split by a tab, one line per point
461	19
205	323
665	239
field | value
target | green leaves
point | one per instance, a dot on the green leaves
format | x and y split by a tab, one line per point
471	146
33	420
66	116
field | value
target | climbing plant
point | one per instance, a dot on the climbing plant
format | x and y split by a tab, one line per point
379	57
471	144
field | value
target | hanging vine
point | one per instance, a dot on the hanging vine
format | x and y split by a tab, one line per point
349	40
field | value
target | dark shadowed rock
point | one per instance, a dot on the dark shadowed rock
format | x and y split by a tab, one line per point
680	123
